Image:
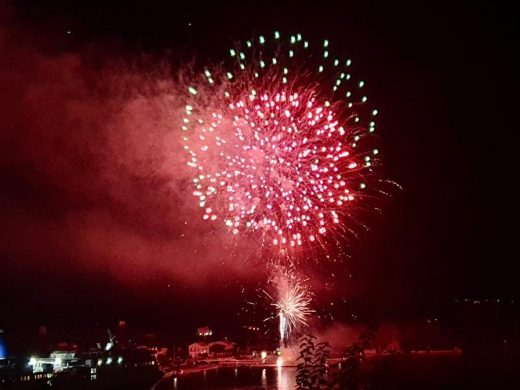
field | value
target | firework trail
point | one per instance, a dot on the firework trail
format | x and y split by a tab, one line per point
280	143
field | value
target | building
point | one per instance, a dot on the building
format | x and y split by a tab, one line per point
222	348
204	331
197	350
57	361
214	349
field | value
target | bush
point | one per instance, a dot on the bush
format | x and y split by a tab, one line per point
312	364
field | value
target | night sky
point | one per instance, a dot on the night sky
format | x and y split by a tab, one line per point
93	233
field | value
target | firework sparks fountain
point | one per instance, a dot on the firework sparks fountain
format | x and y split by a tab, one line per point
292	305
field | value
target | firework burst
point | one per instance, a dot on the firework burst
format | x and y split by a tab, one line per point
279	142
292	303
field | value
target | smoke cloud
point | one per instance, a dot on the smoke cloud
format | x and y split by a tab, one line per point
91	168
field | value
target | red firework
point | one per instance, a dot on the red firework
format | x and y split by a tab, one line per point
278	144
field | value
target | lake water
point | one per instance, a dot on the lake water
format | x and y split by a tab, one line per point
402	372
261	378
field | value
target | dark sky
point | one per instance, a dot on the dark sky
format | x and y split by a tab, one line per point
443	76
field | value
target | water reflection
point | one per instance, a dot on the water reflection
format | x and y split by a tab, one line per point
286	378
246	378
